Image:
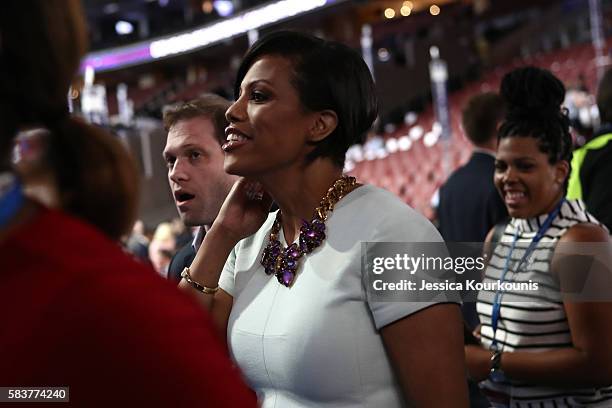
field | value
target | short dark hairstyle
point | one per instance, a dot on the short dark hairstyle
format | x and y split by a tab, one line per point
481	116
604	97
326	75
533	99
210	106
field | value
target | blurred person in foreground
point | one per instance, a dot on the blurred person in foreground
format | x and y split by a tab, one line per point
540	347
75	310
193	155
592	163
286	287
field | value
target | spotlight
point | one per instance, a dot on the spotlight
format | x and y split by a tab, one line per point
124	27
224	7
389	13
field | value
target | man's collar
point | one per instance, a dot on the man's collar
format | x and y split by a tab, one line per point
199	237
485	151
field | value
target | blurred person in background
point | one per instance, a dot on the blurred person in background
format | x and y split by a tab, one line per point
98	173
288	292
592	163
32	163
137	243
162	247
540	349
469	204
579	104
193	155
75	310
184	235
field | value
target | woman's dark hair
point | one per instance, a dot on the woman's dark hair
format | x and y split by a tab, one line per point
41	44
96	176
326	75
533	99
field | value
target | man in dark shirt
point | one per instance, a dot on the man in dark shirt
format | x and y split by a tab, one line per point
592	163
469	203
193	155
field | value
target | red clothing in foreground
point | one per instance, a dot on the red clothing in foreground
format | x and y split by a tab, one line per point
76	311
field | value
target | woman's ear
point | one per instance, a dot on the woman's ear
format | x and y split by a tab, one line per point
325	123
562	169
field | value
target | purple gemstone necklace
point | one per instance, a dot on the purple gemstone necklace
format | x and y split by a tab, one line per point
283	262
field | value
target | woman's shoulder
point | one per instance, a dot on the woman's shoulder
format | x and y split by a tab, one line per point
378	200
581	225
586	232
387	213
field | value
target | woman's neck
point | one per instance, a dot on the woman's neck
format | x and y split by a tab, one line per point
554	203
548	209
299	190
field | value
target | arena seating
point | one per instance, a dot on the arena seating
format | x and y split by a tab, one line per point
417	173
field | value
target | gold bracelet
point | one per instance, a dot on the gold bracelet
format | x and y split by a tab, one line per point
204	289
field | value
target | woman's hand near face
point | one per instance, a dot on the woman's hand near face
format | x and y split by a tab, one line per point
244	211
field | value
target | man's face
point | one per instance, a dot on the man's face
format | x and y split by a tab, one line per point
195	170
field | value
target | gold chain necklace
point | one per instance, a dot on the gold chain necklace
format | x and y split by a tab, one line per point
283	262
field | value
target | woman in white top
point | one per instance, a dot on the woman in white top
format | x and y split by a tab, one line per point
541	348
297	318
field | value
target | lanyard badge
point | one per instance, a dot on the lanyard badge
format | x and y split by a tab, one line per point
496	374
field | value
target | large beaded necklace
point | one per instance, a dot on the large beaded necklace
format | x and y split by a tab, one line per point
283	262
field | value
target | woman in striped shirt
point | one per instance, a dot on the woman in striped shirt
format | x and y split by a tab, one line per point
540	349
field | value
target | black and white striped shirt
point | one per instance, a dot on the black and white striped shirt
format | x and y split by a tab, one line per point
534	321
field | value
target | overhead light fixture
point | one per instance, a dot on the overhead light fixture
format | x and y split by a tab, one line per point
224	7
434	10
389	13
207	35
124	27
225	29
405	11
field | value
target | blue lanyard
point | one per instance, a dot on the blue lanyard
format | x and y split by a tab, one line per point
497	300
11	201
